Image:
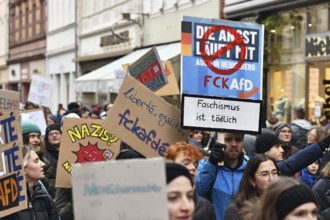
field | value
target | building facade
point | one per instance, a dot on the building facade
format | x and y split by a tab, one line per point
61	49
297	60
3	43
27	43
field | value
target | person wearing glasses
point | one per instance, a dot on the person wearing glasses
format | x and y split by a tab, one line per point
53	136
218	177
284	135
260	171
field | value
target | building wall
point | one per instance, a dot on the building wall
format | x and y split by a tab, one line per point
169	14
61	50
3	43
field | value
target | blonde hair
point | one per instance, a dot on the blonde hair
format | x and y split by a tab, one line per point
26	155
325	172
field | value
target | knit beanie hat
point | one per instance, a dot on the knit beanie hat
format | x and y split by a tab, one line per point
52	128
174	170
280	127
292	198
29	127
128	154
54	118
265	142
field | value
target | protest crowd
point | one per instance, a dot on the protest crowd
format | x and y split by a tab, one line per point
242	176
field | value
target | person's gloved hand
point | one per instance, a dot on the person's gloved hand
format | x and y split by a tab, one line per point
325	143
217	153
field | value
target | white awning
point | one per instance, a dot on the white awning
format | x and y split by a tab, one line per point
109	77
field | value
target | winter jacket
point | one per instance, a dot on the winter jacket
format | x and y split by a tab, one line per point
51	155
63	202
232	212
319	189
40	207
204	209
220	183
300	160
300	128
307	178
326	213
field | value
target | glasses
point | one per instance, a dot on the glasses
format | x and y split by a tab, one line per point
54	132
286	131
230	139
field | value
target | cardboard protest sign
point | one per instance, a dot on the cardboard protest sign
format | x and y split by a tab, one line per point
172	87
36	116
83	140
126	189
149	70
13	196
144	120
9	100
221	71
40	90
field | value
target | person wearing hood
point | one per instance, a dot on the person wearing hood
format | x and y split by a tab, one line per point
300	127
284	135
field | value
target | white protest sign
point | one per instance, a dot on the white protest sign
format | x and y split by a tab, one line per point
223	114
37	117
40	90
126	189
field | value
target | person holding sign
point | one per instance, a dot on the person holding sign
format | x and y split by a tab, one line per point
180	192
40	204
219	176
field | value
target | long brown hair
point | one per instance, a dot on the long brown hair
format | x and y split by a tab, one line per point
264	208
246	190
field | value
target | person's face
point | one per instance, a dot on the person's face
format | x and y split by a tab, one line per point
34	169
276	152
188	162
34	139
180	199
285	135
264	175
313	168
54	137
307	211
234	145
198	136
311	136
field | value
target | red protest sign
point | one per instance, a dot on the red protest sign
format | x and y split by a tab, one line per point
209	58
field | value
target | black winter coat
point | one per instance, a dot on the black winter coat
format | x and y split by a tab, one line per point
63	202
40	207
204	209
321	187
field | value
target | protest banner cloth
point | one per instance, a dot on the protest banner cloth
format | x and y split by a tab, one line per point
40	90
9	100
13	195
144	120
36	116
123	189
149	70
221	77
82	141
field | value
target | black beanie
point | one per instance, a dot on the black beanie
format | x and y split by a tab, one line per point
280	127
128	154
265	141
174	170
50	128
291	198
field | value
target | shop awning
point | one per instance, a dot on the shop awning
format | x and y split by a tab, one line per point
107	78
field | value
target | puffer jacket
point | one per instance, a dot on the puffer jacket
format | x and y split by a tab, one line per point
300	128
40	207
220	183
